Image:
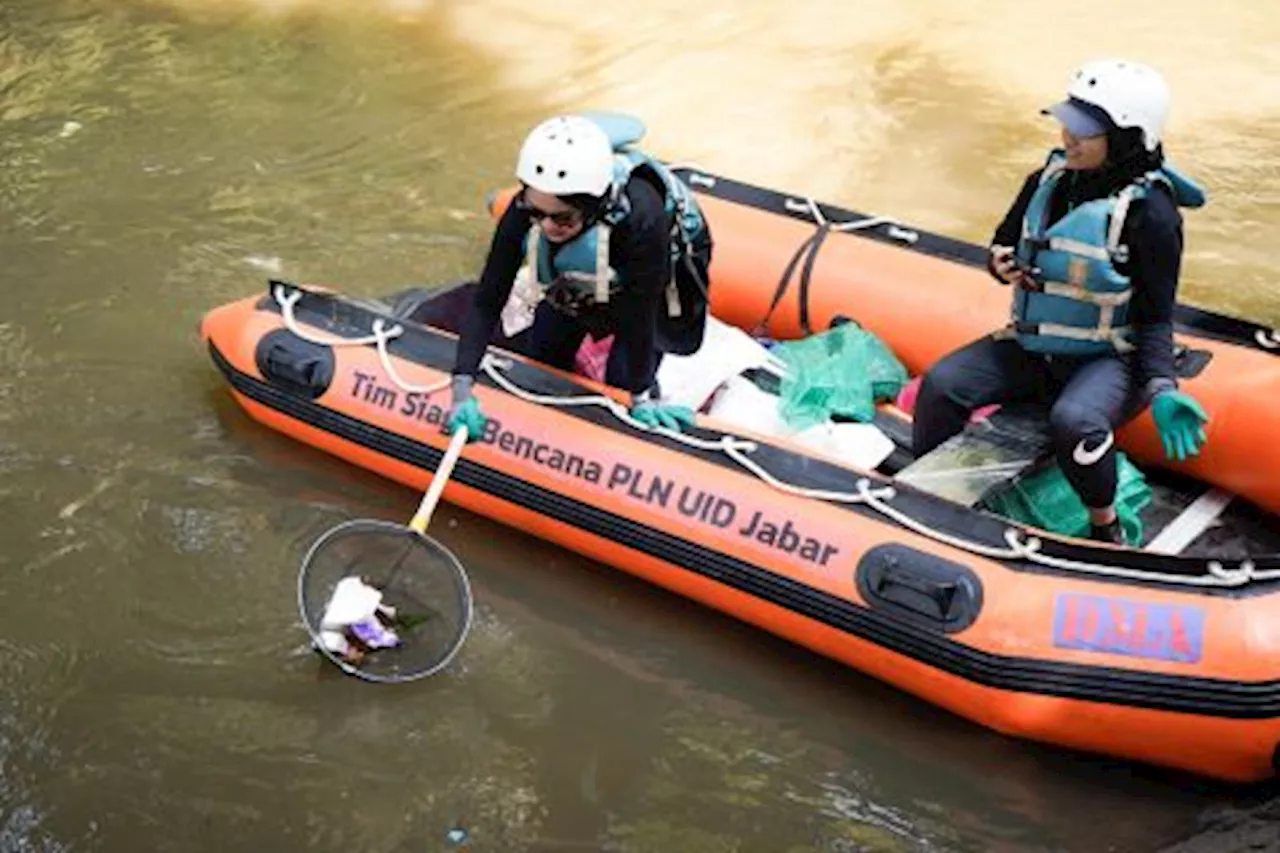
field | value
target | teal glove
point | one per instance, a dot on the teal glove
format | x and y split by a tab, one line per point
465	410
1180	421
659	415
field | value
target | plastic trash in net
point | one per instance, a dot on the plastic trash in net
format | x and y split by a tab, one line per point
384	603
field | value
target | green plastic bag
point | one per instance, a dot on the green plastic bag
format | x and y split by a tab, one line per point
1046	500
844	371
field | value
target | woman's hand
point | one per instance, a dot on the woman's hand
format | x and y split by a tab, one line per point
1004	266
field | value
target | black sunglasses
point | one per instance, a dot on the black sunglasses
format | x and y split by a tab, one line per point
563	218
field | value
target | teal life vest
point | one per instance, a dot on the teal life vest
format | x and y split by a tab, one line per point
579	277
1083	308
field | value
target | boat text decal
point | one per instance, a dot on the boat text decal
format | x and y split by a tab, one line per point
1121	626
614	478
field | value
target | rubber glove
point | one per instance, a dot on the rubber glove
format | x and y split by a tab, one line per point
656	415
465	409
1180	421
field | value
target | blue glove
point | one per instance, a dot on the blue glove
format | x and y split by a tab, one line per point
660	415
465	410
1180	421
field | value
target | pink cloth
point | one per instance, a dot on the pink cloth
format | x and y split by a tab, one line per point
907	401
592	357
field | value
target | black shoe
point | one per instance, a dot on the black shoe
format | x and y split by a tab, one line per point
1111	532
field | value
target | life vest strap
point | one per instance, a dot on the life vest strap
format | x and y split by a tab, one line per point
604	274
1076	247
1084	294
1117	336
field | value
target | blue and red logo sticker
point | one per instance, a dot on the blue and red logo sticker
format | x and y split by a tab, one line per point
1119	626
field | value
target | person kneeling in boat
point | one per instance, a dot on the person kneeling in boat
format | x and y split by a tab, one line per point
1093	247
600	239
356	622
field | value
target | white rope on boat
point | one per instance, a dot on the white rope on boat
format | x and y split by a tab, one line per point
738	449
809	206
381	335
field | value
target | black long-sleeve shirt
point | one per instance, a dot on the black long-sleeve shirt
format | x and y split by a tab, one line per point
638	250
1153	233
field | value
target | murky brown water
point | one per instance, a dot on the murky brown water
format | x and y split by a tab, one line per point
157	159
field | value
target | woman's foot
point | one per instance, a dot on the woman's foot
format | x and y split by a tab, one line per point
1109	532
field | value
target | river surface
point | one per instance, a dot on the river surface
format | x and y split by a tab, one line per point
161	158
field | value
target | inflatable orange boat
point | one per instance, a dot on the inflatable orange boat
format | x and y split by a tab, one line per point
1167	653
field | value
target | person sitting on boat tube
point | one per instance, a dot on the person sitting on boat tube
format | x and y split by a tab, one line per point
601	239
1093	247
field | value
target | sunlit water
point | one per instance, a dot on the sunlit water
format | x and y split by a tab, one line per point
159	159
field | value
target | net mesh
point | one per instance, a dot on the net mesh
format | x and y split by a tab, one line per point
422	585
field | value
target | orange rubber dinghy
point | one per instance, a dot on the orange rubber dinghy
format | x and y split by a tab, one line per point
1167	658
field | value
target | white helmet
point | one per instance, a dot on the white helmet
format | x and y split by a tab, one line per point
567	155
1132	94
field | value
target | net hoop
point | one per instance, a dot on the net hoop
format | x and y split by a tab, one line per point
345	528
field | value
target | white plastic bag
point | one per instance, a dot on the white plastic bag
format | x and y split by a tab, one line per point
744	405
726	352
858	444
526	293
352	601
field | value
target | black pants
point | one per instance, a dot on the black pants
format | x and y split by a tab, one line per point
555	337
1088	399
